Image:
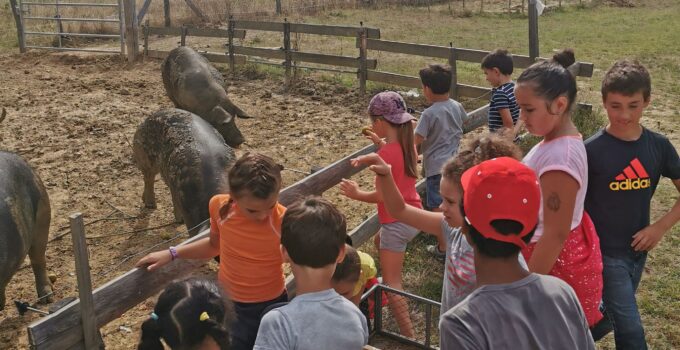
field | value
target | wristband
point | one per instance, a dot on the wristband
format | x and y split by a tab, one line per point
173	253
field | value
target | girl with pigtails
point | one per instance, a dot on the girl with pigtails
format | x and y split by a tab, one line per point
190	314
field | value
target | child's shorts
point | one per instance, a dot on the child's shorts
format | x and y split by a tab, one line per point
396	235
433	198
248	317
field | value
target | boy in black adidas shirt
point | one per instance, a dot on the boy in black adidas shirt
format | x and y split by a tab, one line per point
625	162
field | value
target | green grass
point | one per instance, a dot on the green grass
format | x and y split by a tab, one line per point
599	34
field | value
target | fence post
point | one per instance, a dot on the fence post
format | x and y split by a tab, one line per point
232	63
377	312
533	30
286	50
453	91
17	12
183	35
166	12
90	334
146	38
363	67
131	30
278	7
60	26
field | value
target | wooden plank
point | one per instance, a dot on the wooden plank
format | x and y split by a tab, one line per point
320	29
215	33
165	31
260	52
211	56
407	48
472	91
166	12
476	56
394	79
344	61
255	25
62	329
90	334
476	118
142	11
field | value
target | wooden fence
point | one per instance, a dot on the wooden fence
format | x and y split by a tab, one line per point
64	328
367	39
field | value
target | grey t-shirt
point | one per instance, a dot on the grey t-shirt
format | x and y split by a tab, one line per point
460	278
441	125
321	320
536	312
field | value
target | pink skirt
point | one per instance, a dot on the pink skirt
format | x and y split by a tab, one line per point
580	265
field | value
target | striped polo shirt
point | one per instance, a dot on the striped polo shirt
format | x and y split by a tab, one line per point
502	97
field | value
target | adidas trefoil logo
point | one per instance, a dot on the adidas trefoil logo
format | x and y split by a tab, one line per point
633	177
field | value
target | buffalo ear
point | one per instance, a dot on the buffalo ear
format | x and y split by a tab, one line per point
219	116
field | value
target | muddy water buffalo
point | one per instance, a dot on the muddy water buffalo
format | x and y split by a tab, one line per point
24	223
192	158
194	85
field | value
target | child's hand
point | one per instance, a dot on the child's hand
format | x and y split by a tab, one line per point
647	238
374	163
155	260
373	137
349	188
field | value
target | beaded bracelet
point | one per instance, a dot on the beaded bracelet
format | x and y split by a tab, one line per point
173	253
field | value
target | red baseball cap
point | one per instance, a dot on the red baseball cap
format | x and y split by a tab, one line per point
501	188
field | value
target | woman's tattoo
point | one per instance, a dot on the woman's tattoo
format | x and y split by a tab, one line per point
553	202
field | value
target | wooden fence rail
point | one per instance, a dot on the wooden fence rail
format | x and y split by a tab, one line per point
63	329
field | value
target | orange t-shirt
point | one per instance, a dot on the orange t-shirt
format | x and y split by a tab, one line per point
251	265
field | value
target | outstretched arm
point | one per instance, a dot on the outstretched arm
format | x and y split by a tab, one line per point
559	197
647	238
394	203
351	190
201	249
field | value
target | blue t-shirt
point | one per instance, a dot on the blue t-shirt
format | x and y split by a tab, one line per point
622	179
502	97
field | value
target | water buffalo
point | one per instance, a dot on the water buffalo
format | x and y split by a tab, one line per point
24	223
191	156
194	85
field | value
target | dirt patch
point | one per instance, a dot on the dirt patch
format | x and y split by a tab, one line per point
73	117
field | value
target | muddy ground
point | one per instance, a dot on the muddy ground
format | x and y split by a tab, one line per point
73	117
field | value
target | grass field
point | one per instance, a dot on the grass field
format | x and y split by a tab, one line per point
599	34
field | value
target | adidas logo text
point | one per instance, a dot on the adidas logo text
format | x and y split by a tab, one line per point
628	184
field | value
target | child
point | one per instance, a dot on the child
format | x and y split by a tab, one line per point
438	133
625	162
353	273
189	314
390	120
511	307
565	244
503	109
313	240
459	272
245	228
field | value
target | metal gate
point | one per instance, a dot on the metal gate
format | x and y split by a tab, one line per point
36	11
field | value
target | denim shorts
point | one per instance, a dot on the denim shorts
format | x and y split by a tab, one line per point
433	199
396	235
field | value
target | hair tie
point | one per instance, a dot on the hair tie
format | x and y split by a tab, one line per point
204	316
153	316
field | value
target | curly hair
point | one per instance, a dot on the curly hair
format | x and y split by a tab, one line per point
477	150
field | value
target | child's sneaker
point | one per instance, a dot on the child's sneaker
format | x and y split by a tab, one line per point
434	250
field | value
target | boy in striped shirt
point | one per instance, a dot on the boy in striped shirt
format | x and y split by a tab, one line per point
503	109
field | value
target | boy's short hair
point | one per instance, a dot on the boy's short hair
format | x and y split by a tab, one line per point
627	77
501	199
313	232
437	77
500	59
349	269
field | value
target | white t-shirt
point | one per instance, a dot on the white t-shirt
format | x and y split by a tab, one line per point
566	154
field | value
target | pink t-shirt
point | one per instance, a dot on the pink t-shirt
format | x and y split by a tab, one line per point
567	154
391	154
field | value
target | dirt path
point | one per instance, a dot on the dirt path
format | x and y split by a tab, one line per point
73	118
